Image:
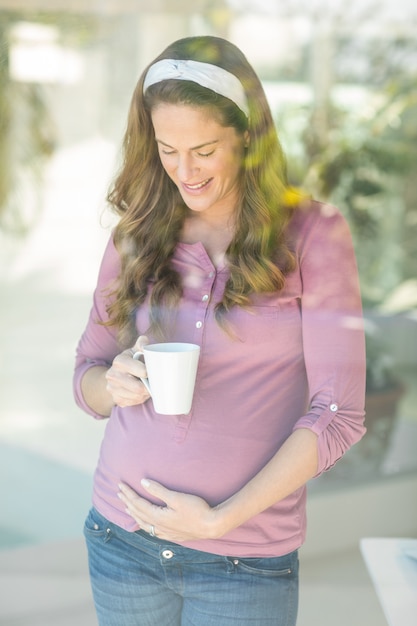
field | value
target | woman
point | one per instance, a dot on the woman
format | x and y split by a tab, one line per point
197	518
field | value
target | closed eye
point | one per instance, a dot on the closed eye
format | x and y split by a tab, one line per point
205	154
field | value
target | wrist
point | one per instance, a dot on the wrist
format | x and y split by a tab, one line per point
221	522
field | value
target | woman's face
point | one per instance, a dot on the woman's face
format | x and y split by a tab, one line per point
201	157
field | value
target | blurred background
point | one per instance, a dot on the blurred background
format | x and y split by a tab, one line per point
341	79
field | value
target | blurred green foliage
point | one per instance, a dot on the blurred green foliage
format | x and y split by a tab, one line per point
366	164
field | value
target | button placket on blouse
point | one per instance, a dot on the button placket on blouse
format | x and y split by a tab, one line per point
205	300
201	299
201	310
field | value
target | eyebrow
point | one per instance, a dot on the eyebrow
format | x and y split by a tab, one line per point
202	145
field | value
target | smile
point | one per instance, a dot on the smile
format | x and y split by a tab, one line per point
198	185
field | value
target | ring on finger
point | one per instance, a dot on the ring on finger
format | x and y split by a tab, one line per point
152	530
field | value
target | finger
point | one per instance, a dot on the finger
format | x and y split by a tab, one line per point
135	505
137	349
125	366
125	388
124	382
127	491
159	491
129	495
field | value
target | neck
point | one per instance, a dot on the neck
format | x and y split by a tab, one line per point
215	232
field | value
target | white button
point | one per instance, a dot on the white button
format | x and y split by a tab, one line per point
333	408
205	298
167	554
199	324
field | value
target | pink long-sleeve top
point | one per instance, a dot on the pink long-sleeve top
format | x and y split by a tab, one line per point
298	361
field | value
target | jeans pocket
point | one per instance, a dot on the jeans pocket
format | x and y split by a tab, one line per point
272	566
96	526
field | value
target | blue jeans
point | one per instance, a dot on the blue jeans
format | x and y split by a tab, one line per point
139	580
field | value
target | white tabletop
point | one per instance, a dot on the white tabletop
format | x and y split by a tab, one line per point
392	565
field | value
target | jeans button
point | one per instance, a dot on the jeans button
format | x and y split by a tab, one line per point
167	554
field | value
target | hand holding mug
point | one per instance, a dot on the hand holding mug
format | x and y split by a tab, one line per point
171	374
124	377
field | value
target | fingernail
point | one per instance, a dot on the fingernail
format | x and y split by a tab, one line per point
145	483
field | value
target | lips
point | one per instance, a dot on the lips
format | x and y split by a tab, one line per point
197	186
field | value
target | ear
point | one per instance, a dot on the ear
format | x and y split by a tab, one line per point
246	139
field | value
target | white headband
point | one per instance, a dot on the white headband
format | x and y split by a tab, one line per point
205	74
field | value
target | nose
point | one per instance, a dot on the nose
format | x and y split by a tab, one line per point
186	167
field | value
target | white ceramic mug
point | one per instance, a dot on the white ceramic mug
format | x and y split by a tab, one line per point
172	370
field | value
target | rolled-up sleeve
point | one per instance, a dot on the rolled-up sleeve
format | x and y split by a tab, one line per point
333	337
98	344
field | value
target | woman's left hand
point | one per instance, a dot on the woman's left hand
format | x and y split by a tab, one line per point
183	518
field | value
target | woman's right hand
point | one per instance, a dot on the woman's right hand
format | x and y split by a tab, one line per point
123	377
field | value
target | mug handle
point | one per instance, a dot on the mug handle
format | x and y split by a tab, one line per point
145	381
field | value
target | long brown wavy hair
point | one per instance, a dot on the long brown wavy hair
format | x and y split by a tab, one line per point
152	211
